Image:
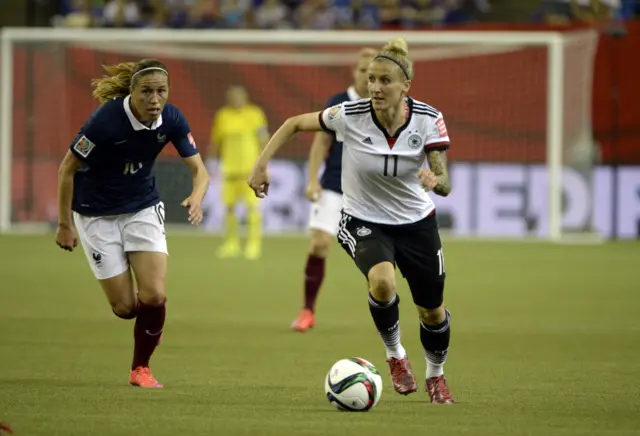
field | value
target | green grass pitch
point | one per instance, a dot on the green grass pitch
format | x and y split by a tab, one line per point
545	341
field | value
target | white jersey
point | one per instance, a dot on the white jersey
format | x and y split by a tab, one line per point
380	180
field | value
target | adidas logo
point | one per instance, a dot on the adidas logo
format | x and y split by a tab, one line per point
367	140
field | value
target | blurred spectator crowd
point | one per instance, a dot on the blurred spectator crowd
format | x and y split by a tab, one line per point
321	14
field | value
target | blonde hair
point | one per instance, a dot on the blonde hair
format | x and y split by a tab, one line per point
397	51
120	78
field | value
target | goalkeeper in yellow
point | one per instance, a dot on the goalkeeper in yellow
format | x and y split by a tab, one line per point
238	134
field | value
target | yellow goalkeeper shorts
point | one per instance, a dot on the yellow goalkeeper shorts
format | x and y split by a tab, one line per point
235	190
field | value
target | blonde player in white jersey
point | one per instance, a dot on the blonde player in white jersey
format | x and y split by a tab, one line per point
388	218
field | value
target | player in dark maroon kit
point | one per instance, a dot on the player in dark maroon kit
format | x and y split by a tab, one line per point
107	197
326	195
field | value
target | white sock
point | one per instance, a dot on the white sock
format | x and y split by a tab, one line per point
396	351
434	369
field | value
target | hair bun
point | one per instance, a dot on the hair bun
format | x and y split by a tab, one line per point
397	46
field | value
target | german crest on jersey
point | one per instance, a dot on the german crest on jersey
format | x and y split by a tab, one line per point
415	141
84	146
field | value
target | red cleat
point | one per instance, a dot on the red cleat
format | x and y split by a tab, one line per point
141	376
5	428
439	390
402	376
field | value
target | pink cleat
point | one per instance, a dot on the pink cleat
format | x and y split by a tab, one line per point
305	321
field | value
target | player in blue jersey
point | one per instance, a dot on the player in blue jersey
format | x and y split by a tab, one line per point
326	195
108	198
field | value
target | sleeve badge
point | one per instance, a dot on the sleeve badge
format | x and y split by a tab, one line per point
84	146
333	112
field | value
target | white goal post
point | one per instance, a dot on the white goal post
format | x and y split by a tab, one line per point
553	68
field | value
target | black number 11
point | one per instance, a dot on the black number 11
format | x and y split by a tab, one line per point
387	169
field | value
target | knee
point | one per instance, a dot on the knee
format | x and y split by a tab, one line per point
433	316
320	244
153	296
382	281
125	310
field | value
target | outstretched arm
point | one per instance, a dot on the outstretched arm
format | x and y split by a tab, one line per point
438	163
259	177
309	122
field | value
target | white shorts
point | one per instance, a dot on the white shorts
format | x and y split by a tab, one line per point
326	212
107	240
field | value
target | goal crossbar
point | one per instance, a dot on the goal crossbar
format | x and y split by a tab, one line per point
302	37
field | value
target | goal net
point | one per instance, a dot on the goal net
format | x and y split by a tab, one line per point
517	106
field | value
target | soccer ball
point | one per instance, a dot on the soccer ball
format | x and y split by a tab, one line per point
353	385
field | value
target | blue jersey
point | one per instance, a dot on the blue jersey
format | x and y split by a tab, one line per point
118	153
331	177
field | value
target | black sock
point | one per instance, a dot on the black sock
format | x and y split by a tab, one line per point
386	317
435	341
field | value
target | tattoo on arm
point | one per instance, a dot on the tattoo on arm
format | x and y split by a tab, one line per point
438	163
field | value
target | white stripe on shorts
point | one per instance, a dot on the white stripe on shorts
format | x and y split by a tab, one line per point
345	237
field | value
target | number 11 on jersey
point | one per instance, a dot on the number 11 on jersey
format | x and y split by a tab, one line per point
440	262
390	165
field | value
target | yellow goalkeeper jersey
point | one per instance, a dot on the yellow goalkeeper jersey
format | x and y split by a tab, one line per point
238	133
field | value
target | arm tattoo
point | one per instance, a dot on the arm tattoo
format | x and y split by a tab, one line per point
438	164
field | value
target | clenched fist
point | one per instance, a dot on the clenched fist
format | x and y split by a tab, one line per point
427	179
313	191
259	180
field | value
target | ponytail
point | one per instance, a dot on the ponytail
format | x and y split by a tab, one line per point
116	84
